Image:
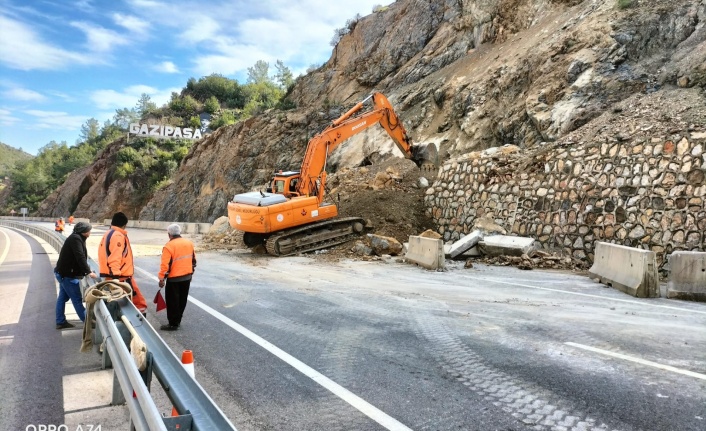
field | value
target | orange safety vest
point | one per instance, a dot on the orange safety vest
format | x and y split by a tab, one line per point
59	225
178	259
115	254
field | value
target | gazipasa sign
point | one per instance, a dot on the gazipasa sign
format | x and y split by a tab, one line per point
164	132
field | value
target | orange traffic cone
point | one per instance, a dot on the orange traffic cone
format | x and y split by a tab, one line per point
187	361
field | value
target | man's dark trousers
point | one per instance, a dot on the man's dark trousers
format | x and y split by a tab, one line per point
176	295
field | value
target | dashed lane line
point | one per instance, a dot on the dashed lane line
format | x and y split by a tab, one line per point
647	304
639	361
354	400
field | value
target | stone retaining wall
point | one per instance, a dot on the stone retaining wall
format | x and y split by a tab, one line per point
649	195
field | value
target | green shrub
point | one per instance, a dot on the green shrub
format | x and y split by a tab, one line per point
227	117
211	105
624	4
128	155
124	170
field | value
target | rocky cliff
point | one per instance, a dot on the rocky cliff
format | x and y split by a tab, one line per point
466	75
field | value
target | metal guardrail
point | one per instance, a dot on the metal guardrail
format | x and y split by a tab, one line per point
197	411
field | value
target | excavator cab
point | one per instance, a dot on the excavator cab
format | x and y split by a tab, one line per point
285	183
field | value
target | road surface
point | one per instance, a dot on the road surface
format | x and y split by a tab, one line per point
301	343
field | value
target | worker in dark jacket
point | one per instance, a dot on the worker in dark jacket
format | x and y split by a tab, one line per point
177	267
71	267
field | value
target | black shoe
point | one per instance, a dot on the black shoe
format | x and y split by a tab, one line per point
169	327
65	325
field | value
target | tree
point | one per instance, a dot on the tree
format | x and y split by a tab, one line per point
283	75
211	105
123	117
145	105
183	106
261	97
226	90
89	131
259	72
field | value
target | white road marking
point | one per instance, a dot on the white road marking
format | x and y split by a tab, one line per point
639	361
12	296
588	295
363	406
7	247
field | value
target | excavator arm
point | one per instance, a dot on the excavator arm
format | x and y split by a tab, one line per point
313	169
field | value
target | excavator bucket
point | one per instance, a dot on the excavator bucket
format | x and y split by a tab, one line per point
425	156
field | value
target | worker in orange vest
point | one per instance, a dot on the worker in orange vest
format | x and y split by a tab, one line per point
177	267
115	259
59	225
71	220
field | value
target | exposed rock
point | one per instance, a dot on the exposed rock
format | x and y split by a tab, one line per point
430	234
385	245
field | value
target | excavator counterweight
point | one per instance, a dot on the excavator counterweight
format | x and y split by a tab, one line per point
293	216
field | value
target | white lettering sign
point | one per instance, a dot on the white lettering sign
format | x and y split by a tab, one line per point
157	131
359	125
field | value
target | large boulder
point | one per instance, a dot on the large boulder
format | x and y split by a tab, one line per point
385	245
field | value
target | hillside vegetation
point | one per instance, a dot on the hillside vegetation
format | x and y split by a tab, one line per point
145	163
10	157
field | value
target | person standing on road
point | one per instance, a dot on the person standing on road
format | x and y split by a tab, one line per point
177	267
59	225
71	267
71	220
116	261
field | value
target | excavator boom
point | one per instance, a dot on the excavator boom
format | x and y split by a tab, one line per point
347	125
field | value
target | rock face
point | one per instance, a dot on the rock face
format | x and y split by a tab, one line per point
92	192
472	75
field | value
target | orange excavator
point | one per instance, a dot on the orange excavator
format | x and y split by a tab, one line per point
292	216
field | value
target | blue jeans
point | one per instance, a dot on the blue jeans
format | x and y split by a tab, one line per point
69	288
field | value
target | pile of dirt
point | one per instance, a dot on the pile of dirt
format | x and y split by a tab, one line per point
389	196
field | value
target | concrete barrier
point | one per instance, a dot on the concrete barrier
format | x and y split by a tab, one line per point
630	270
190	228
687	276
426	252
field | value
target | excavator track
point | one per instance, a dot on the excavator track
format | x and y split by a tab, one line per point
314	236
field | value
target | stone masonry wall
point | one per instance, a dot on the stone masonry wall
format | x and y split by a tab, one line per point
649	195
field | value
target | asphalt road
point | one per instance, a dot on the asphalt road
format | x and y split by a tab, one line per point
299	343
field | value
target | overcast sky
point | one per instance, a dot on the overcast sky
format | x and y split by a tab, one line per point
63	62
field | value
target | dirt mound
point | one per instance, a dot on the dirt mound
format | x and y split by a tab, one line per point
388	196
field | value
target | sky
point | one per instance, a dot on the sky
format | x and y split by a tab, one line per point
63	62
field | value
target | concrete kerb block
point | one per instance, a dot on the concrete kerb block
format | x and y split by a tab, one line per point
464	244
426	252
503	245
687	276
630	270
